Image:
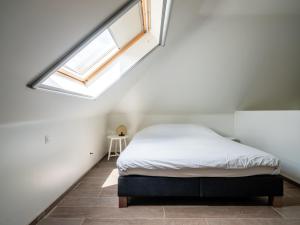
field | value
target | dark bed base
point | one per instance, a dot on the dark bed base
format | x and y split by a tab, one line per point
252	186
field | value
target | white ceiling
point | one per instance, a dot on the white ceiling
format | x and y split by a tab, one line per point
247	7
34	34
223	55
220	55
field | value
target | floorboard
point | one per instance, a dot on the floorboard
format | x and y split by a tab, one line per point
94	201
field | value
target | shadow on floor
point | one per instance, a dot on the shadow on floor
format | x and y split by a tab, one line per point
197	201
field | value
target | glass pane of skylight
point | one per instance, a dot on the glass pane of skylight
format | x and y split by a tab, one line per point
91	54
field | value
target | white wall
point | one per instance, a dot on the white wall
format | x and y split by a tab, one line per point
222	56
221	123
33	174
241	54
276	132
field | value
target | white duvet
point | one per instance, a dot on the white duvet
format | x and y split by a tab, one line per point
187	146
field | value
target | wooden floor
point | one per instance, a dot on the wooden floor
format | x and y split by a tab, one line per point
94	202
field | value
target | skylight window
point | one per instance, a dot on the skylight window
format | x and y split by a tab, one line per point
110	52
93	55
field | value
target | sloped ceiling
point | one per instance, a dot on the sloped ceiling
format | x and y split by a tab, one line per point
220	56
33	35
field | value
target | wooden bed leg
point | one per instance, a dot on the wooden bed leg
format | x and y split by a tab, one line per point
123	202
276	201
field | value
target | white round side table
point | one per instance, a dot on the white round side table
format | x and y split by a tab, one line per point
116	142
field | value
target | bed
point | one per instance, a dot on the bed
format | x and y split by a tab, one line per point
186	160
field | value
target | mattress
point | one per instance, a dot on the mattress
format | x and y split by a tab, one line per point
201	172
187	150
